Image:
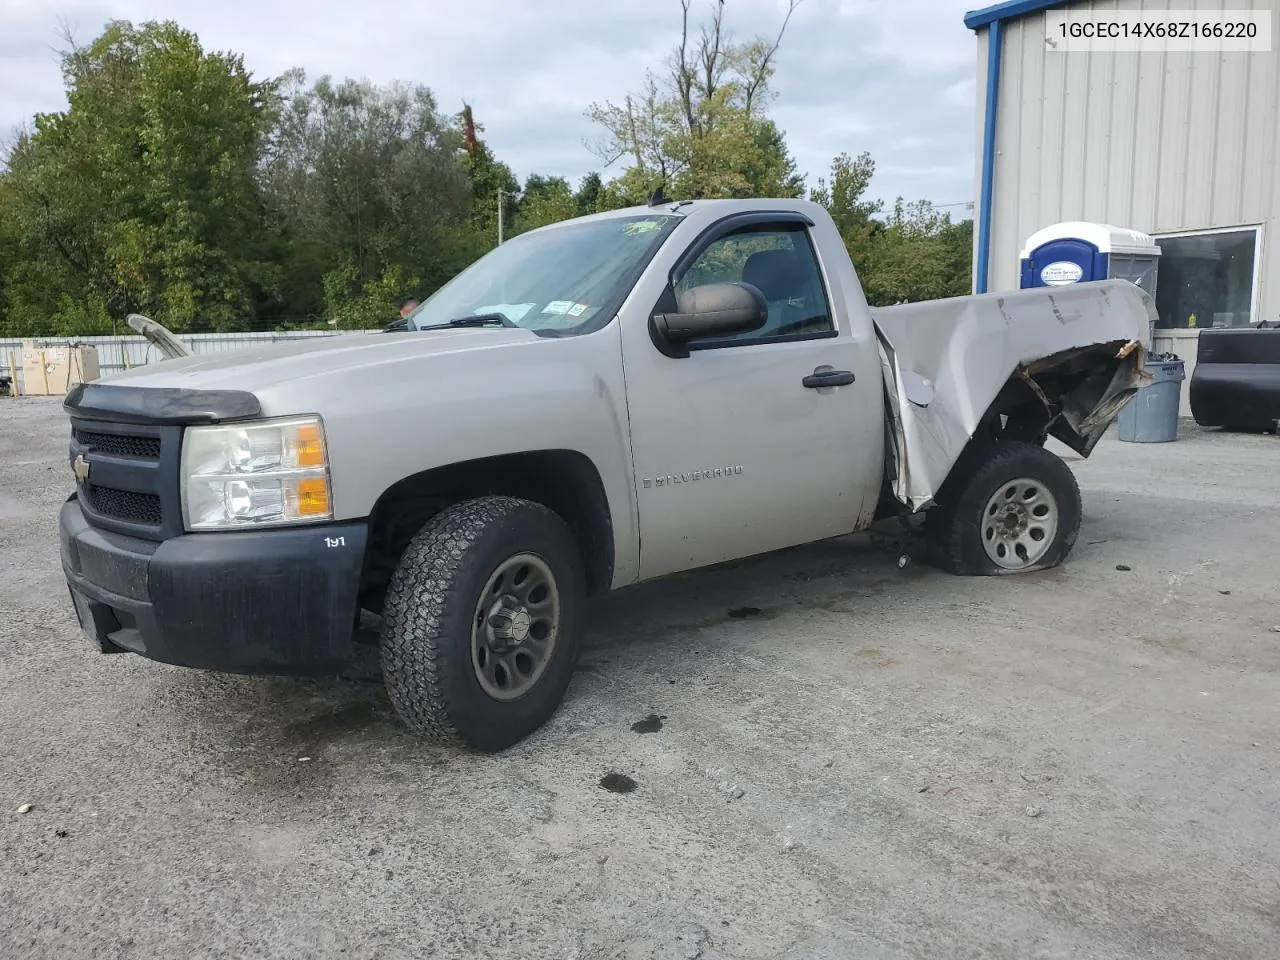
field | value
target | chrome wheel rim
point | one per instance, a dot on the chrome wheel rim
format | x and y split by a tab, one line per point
1019	523
515	627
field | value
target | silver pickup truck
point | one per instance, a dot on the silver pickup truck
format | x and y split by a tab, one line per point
596	403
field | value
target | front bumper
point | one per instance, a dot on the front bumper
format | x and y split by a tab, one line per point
280	601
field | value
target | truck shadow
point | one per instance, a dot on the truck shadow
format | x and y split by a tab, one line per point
830	575
302	733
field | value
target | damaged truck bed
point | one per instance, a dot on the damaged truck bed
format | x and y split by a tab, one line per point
952	366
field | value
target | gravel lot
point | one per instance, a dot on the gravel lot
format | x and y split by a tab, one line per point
872	763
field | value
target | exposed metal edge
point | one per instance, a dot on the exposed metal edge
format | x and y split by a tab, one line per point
158	335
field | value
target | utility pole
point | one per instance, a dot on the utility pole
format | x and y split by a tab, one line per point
502	196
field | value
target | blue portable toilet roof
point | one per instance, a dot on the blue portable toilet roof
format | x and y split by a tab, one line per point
1103	236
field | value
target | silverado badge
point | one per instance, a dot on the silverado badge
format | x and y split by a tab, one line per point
714	473
80	467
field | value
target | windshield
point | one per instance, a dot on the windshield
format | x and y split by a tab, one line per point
566	280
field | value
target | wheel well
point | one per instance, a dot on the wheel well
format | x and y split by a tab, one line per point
1030	405
1017	413
564	481
1072	395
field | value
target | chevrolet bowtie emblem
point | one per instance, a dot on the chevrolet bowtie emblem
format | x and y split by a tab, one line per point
80	467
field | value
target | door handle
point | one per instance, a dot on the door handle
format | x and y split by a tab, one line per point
826	377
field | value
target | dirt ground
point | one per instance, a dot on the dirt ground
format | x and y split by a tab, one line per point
832	758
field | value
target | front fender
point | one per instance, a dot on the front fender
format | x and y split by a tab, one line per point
397	418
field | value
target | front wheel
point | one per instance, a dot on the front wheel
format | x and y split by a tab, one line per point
1009	507
481	623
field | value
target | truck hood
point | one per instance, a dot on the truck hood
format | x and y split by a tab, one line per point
254	368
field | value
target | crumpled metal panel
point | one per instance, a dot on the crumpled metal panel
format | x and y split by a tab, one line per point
945	361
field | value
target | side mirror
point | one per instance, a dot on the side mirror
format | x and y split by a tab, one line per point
713	309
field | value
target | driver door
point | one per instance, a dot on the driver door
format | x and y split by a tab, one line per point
737	448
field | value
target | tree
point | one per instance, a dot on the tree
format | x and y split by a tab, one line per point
492	182
546	200
142	194
587	199
914	253
177	185
842	197
366	191
920	255
701	127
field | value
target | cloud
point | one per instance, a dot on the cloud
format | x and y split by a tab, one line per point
893	78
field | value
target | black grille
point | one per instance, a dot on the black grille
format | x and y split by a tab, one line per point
132	483
126	505
121	445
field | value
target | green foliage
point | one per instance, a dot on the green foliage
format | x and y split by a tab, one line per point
630	189
587	199
701	127
143	193
492	182
842	195
83	317
546	200
177	185
920	255
914	253
364	183
368	305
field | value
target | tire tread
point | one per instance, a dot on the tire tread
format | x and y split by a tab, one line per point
421	612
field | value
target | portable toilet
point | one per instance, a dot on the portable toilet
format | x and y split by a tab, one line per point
1076	252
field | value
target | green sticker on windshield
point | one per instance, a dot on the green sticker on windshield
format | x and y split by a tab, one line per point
642	226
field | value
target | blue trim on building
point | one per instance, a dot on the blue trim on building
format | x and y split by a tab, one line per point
1009	10
993	19
995	45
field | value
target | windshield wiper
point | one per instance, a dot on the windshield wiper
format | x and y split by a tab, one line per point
477	320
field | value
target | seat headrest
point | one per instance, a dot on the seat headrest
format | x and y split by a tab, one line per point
775	272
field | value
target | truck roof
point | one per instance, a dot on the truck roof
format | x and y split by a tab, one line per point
714	208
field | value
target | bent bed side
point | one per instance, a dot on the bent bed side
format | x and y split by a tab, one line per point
946	362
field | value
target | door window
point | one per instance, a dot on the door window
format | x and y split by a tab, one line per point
778	260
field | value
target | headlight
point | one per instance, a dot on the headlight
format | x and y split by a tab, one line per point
265	473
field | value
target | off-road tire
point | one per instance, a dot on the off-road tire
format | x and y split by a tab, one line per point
954	526
427	620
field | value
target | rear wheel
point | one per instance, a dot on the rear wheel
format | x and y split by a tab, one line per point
1008	507
481	623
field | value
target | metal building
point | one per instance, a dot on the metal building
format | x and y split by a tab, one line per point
1178	145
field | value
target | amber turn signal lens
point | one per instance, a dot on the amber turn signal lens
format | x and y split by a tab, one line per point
313	497
310	445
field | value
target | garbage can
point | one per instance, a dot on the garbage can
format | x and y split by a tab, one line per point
1152	415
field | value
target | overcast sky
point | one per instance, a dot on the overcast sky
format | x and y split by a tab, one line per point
895	77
